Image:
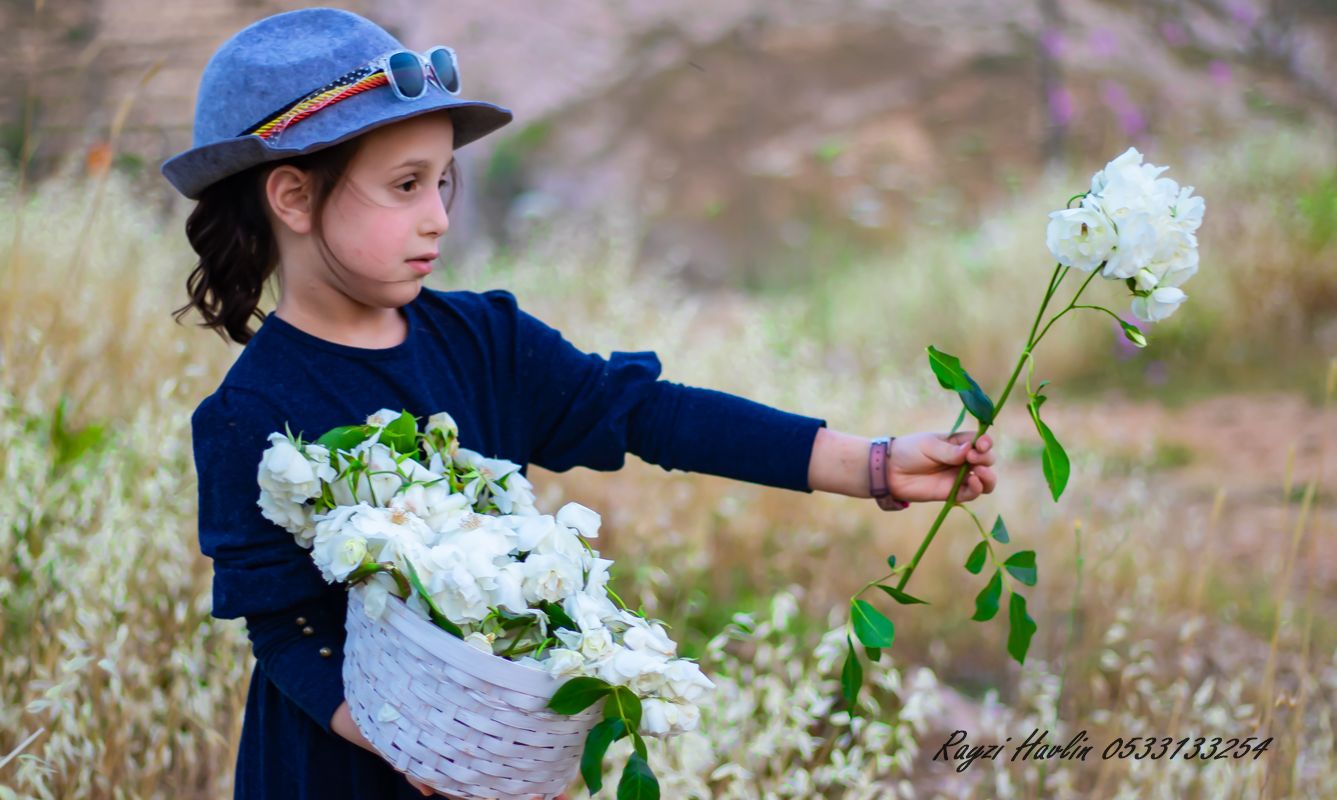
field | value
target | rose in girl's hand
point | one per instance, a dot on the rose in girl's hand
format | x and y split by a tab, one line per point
923	466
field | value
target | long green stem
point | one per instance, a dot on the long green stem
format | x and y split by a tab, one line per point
1031	341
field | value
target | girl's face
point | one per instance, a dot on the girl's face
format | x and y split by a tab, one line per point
383	220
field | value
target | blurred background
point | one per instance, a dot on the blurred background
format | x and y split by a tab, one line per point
788	201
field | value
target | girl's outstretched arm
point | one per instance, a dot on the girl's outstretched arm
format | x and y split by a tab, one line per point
922	467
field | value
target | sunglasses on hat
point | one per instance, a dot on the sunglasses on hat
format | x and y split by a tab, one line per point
407	72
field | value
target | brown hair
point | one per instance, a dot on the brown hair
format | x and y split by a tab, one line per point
230	232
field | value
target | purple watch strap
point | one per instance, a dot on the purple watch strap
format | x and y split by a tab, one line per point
878	454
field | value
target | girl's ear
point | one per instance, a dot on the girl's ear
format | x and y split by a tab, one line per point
288	190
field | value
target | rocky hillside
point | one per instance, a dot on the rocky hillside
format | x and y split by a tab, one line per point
747	134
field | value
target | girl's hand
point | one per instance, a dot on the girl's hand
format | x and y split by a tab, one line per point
427	792
923	466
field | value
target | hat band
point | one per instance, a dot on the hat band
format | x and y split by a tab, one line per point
355	82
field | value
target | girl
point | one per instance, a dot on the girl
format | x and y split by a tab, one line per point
324	153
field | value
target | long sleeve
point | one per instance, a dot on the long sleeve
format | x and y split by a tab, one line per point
260	572
581	409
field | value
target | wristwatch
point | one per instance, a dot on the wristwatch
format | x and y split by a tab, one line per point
878	456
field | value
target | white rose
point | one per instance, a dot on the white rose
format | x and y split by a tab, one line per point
1175	261
441	431
453	586
506	588
1126	184
377	595
589	610
1135	248
1081	237
519	495
584	520
685	681
1160	304
383	417
287	474
642	671
658	717
295	518
597	645
1187	210
551	577
564	663
337	552
381	476
663	718
649	636
596	582
479	641
438	506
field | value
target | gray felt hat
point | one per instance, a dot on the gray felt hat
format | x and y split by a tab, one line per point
266	67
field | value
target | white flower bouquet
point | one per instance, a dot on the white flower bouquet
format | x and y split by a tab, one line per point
430	534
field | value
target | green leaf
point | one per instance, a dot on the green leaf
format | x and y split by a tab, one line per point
870	625
557	616
433	610
891	562
596	745
1134	334
1022	566
904	598
1054	460
363	570
986	602
578	694
401	435
977	402
948	369
638	744
975	561
344	437
638	780
874	653
1020	628
625	705
951	375
851	675
999	532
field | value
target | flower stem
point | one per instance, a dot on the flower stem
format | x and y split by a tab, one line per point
1031	341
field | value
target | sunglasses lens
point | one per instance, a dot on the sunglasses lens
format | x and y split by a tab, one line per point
406	71
445	69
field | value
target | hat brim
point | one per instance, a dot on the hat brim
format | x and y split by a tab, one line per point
194	170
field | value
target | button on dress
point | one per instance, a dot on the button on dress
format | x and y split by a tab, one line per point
519	390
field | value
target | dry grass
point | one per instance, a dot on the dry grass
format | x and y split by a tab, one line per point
1190	611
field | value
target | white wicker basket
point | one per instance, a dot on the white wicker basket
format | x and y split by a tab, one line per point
470	724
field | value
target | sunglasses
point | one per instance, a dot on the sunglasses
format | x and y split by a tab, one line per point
407	72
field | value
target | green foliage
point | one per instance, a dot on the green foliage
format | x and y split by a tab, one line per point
870	625
1020	628
986	602
1317	210
851	675
952	376
438	616
1021	565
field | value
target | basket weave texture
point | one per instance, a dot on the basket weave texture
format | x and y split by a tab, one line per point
469	724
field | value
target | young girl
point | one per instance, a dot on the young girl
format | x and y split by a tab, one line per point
320	156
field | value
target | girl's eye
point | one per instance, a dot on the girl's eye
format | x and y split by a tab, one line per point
444	182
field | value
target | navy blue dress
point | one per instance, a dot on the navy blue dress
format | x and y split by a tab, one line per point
519	391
